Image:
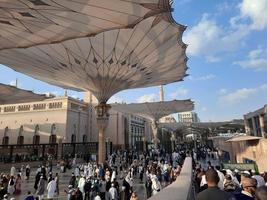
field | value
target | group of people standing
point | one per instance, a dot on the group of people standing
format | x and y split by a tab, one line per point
113	180
212	182
11	183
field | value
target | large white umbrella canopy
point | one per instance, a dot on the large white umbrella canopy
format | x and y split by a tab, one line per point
103	46
199	125
155	110
10	94
25	23
151	53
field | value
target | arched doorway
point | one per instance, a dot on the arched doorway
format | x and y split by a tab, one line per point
5	140
84	138
20	139
53	137
73	135
36	136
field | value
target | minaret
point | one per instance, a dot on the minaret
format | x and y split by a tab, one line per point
161	98
90	98
65	93
161	93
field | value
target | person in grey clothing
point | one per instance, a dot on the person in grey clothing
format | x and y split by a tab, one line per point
213	191
41	188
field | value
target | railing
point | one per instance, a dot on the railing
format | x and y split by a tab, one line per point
57	198
182	188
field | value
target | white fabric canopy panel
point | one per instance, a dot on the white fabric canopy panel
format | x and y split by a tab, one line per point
198	125
25	23
152	53
155	110
10	94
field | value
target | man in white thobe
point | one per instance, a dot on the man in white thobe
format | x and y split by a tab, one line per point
113	193
51	188
81	184
12	171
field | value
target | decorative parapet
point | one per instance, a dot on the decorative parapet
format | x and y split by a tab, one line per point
31	107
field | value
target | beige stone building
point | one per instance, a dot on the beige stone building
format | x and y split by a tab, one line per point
188	117
52	120
249	148
256	122
67	120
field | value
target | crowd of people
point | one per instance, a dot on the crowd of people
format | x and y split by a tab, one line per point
212	182
112	180
115	179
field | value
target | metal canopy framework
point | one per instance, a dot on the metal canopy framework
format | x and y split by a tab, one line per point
152	53
243	138
10	94
155	110
201	125
25	23
102	46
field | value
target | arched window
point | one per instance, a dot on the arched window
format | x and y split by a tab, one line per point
53	129
5	140
73	138
36	136
84	138
20	139
53	137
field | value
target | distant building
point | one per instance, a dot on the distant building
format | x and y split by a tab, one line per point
188	117
169	118
139	130
256	122
249	148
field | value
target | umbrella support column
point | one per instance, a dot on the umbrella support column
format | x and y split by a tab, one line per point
155	134
102	117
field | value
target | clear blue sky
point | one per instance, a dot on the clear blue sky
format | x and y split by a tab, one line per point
227	59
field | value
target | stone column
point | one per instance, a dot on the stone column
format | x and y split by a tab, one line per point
247	128
254	131
173	141
102	123
261	117
155	133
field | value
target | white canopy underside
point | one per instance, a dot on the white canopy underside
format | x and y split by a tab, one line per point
152	53
200	125
155	110
25	23
243	138
10	94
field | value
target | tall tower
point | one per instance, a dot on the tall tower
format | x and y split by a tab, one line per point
161	93
90	98
169	118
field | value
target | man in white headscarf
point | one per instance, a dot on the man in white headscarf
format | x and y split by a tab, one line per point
51	188
12	171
